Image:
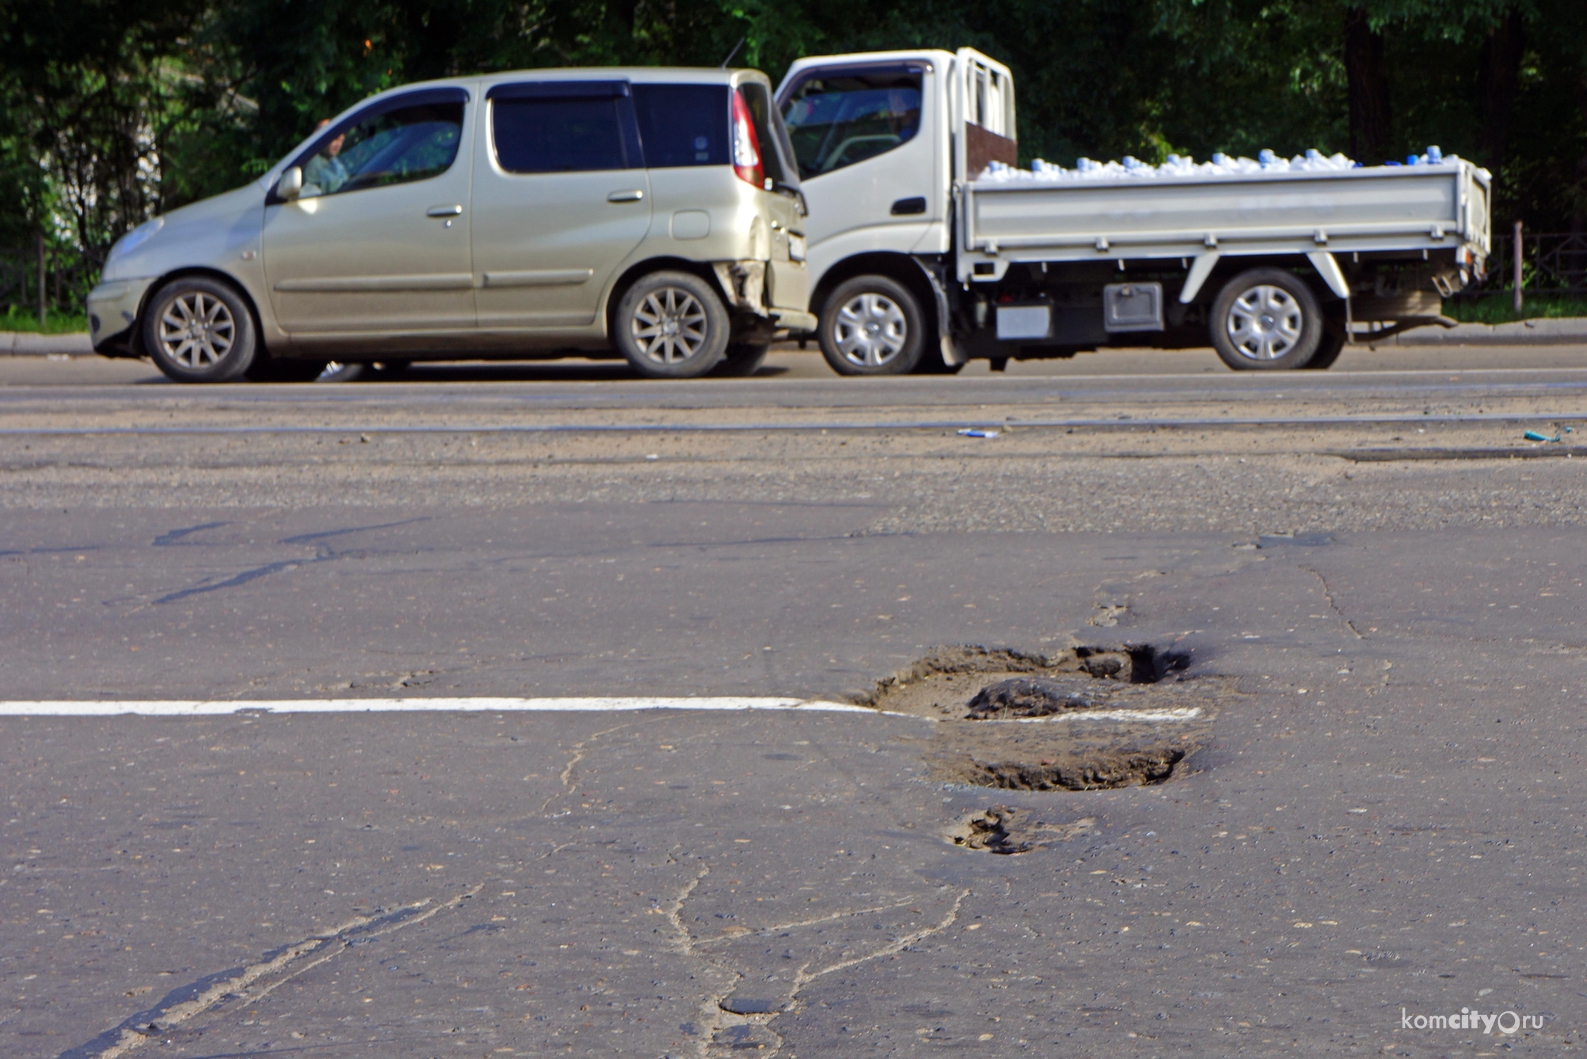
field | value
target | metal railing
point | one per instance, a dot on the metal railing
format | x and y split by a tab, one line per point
66	278
1552	263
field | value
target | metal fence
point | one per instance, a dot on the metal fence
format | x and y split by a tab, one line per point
1552	263
67	280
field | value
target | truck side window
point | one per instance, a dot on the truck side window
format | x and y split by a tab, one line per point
682	125
836	121
397	147
558	135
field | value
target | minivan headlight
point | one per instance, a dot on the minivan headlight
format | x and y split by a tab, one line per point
134	239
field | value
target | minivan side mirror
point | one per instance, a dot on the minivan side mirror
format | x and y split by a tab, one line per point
290	186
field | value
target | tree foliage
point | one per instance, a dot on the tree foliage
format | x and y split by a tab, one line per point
111	110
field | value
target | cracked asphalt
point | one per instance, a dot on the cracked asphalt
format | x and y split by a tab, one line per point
1385	823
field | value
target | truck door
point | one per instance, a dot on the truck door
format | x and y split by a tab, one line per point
560	198
863	136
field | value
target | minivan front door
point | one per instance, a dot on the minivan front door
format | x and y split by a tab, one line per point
378	240
560	199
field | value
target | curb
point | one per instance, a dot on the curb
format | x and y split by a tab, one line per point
1567	331
32	344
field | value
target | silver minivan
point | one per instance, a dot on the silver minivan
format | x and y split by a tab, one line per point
649	213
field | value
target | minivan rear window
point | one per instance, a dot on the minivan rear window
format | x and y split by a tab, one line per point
682	125
552	135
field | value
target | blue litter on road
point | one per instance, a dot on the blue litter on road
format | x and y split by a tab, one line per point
971	432
1533	435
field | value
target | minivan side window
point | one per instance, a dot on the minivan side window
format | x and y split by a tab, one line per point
560	133
396	147
848	117
682	125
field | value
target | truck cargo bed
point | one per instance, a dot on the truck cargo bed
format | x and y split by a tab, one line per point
1381	208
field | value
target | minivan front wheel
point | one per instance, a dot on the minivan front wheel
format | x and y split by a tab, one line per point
199	330
671	325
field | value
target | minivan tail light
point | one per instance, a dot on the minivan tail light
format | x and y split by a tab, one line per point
746	145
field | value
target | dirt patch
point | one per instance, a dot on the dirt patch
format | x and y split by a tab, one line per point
1089	718
1007	831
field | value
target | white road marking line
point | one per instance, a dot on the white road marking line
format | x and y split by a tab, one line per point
225	707
1178	713
211	707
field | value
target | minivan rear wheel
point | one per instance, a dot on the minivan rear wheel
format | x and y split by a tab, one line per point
198	329
671	325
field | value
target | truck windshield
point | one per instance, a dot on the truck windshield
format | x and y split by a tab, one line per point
836	121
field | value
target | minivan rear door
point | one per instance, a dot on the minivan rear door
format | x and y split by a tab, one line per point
560	199
378	240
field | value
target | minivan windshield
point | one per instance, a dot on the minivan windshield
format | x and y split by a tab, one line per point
836	121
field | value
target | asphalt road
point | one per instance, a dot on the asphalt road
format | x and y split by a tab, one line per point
1367	578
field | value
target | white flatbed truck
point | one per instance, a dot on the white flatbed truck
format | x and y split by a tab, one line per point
926	249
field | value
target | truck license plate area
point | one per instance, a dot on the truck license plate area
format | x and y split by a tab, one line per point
1132	307
1016	322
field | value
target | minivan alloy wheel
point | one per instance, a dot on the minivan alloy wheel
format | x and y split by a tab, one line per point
670	325
197	330
870	330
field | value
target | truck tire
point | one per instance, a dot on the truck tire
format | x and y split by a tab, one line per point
872	325
742	360
198	329
671	325
1266	319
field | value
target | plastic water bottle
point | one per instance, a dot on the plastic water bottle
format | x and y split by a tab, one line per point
1265	157
1434	155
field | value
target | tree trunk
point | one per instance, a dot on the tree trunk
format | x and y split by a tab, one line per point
1498	83
1371	139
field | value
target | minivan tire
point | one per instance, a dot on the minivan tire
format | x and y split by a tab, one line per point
1266	319
671	325
872	325
198	329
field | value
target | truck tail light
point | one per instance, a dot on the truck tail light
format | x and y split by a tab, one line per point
746	145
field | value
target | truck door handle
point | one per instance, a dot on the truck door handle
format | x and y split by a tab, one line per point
905	207
625	196
443	211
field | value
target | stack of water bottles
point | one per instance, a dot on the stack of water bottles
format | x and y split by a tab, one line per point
1313	161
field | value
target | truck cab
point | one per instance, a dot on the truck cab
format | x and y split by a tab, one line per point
873	135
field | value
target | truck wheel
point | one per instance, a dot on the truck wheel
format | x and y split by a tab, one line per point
671	325
1266	319
199	330
742	360
872	325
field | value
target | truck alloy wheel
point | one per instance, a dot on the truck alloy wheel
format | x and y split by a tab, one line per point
198	330
1266	319
871	325
671	325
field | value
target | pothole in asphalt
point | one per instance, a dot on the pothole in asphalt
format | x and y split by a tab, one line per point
1087	718
1007	831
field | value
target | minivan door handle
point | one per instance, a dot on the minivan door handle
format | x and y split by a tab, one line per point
444	211
625	196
